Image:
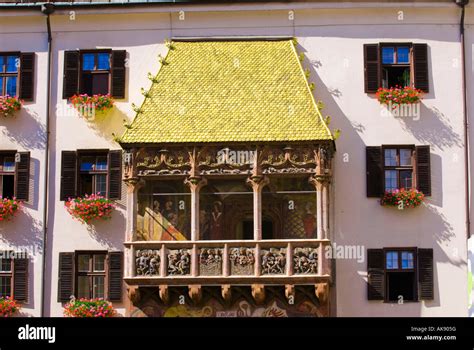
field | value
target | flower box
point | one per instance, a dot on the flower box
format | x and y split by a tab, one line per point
8	307
91	106
8	208
403	198
89	208
89	308
396	96
9	105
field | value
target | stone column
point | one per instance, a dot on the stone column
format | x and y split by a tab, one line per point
195	184
257	183
133	185
321	183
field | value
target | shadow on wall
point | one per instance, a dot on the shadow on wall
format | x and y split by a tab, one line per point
109	233
26	130
108	124
23	232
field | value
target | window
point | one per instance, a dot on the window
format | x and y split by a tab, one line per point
9	74
7	175
95	73
390	64
93	174
398	168
396	66
395	274
6	276
90	275
391	167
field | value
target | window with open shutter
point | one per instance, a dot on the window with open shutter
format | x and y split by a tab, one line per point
71	74
66	276
420	67
374	171
371	67
375	274
115	260
68	175
118	73
22	176
115	174
20	278
425	274
423	169
27	76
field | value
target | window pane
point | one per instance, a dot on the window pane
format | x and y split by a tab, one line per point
12	64
405	157
100	84
2	58
390	157
1	86
88	61
403	55
101	163
83	262
392	260
9	164
87	163
98	287
388	55
86	184
5	265
99	262
391	180
8	186
83	287
103	61
5	286
100	184
11	86
407	260
406	179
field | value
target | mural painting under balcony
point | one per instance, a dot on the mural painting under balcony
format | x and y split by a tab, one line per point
89	308
8	208
402	198
93	106
90	207
8	306
9	105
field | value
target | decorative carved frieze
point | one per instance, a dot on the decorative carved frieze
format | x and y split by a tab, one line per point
305	260
147	262
179	262
153	161
210	262
242	261
273	261
288	160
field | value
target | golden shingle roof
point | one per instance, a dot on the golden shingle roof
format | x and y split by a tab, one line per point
229	91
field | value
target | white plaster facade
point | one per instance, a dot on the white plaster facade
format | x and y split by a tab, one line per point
331	35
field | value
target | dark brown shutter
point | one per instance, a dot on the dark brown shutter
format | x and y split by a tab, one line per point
371	67
115	174
66	276
71	73
22	177
68	175
420	67
374	171
118	73
425	273
375	274
27	76
115	276
423	170
20	277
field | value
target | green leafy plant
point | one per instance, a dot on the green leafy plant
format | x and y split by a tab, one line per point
90	207
89	106
9	105
397	95
8	307
8	208
403	198
89	308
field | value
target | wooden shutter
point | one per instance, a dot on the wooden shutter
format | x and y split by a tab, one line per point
423	170
420	67
20	278
22	177
115	174
66	276
68	175
71	74
118	73
375	274
425	274
115	260
374	171
371	68
27	76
